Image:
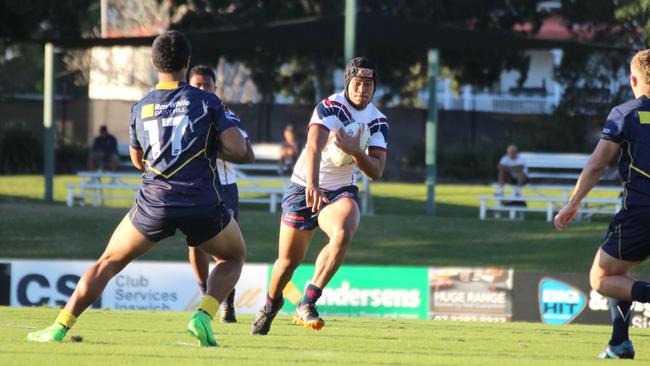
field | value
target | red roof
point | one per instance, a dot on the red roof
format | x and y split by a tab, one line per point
556	27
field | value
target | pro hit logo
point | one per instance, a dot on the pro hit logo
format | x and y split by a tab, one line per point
559	303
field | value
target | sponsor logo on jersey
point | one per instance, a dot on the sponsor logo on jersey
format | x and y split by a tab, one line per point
171	108
644	117
147	111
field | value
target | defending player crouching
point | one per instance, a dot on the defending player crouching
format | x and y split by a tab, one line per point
324	195
175	132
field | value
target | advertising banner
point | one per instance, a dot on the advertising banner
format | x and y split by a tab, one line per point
369	291
140	286
561	298
471	294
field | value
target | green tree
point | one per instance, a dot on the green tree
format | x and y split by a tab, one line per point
289	74
24	21
591	77
634	14
404	75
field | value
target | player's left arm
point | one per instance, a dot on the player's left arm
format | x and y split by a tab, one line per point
250	154
371	164
233	146
136	153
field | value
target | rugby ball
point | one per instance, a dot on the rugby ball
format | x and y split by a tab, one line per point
338	157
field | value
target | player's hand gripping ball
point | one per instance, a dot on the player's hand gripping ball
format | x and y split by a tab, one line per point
339	157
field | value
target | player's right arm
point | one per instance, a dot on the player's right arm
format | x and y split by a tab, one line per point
608	147
316	140
322	121
135	149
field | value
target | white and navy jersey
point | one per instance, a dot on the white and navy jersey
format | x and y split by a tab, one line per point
332	114
227	171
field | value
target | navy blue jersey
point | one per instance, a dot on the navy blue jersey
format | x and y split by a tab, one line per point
178	126
628	124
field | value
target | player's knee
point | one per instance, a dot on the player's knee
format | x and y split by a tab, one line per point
110	265
243	253
596	279
287	264
342	236
236	254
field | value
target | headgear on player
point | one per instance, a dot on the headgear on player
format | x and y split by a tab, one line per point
363	68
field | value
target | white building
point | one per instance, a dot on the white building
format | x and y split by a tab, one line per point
125	73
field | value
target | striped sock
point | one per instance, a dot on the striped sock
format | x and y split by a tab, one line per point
312	294
272	306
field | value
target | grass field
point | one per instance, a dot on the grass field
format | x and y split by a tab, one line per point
112	337
398	234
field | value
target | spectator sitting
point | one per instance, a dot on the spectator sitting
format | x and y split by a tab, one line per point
289	150
104	152
512	169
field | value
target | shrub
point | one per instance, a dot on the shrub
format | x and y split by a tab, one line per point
21	149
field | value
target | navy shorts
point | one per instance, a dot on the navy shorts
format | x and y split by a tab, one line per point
230	198
297	215
628	236
199	224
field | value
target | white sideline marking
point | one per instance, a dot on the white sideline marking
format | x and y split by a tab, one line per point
14	325
184	344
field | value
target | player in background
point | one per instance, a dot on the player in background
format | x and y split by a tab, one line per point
175	132
203	77
322	194
627	241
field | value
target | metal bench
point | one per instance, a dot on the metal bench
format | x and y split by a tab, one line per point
553	172
588	208
273	199
94	184
99	187
77	193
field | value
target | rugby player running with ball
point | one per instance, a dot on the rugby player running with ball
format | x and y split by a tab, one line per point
325	195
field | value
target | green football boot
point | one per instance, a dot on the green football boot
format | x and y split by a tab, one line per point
54	333
199	327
